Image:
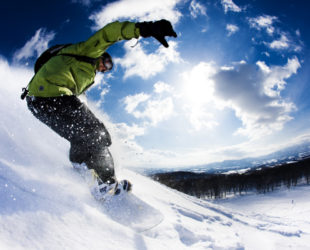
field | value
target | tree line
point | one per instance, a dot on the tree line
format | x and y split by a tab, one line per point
261	180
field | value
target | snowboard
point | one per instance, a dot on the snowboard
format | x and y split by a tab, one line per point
129	210
126	208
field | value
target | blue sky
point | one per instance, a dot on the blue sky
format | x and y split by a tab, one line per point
235	83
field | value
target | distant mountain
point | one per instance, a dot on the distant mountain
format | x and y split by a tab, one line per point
287	155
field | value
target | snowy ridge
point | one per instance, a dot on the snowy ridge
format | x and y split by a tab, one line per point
45	204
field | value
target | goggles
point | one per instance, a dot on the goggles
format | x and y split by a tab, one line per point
108	64
107	61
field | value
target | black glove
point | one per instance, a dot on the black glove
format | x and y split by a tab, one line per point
158	30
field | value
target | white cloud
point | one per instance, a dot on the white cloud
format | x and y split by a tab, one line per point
229	5
200	118
137	62
274	76
101	87
35	46
262	65
282	43
140	10
151	108
132	101
99	80
266	53
231	28
284	40
197	9
254	94
160	87
128	133
263	22
155	110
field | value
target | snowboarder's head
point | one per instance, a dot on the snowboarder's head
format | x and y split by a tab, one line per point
105	63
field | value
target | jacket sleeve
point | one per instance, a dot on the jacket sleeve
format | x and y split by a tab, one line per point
105	37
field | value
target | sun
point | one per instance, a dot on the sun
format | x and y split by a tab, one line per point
197	87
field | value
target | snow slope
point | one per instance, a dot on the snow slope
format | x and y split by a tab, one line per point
45	204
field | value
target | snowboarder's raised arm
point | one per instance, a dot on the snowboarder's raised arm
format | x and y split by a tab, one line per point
117	31
108	35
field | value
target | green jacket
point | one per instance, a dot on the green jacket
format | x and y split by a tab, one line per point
64	75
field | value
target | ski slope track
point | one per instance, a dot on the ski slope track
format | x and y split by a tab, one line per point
45	204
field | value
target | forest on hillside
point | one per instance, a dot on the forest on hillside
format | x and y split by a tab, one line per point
261	180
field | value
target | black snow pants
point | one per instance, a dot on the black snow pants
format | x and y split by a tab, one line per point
72	119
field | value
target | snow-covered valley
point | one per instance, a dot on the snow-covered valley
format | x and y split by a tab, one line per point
45	204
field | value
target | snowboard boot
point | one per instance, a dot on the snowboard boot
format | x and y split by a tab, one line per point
99	189
106	190
123	186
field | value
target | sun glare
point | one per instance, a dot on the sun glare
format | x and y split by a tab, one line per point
197	87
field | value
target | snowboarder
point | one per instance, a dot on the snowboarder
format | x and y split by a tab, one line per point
52	96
